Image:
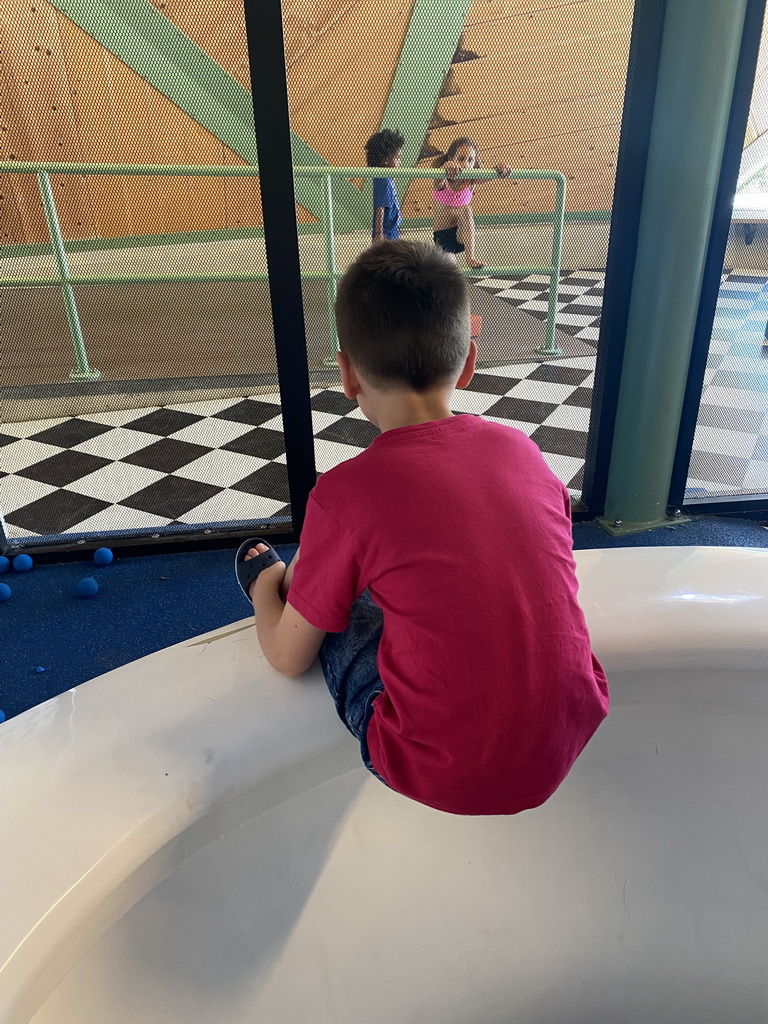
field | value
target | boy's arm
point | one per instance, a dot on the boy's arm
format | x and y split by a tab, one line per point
290	643
379	228
285	586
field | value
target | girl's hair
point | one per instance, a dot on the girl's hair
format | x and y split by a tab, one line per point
439	161
382	146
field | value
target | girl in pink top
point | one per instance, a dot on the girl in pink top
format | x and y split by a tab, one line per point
454	225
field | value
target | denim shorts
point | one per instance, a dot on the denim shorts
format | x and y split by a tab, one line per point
350	665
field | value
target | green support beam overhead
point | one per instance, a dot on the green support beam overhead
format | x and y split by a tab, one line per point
148	43
433	35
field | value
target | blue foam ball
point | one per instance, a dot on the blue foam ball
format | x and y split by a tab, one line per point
22	563
87	587
39	669
5	592
102	556
5	563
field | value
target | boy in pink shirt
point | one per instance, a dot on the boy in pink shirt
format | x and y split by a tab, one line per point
435	577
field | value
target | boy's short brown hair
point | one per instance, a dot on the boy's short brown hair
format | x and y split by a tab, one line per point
402	315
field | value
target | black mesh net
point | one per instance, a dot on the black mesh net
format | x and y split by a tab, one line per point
534	87
139	389
139	385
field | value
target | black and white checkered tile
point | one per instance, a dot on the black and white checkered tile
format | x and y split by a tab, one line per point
213	461
730	450
579	299
223	460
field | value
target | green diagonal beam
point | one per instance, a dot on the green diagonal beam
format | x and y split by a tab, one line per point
147	42
433	34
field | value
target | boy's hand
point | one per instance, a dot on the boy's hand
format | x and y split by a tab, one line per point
503	171
288	642
273	576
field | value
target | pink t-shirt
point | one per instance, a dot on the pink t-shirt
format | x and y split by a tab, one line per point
463	535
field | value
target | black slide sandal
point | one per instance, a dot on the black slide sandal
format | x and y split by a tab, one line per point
246	572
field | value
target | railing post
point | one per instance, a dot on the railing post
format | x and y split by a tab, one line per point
83	371
550	348
330	265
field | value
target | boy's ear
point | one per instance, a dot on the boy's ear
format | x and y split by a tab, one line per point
349	380
469	366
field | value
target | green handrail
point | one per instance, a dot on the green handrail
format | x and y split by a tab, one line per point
224	277
238	171
324	174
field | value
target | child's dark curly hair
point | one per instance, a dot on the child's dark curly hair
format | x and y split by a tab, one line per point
443	159
382	146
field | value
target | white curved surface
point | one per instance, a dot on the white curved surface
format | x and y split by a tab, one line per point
297	888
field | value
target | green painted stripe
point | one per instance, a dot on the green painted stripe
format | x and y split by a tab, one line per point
433	34
152	46
501	219
233	234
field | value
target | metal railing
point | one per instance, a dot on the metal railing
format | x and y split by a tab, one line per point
324	175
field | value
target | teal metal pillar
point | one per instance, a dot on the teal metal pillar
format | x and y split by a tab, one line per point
697	69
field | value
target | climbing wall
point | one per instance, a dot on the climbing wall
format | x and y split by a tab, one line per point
537	83
339	79
64	97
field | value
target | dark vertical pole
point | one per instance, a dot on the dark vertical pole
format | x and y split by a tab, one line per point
266	54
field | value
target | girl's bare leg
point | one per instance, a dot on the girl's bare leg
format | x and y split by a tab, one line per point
466	235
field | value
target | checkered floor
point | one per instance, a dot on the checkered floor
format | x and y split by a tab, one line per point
730	447
579	300
224	460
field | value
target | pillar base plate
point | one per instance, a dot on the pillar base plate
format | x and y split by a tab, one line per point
618	528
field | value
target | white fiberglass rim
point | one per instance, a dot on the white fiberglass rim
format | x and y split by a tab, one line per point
118	784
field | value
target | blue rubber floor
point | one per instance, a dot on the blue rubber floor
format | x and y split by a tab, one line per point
147	603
